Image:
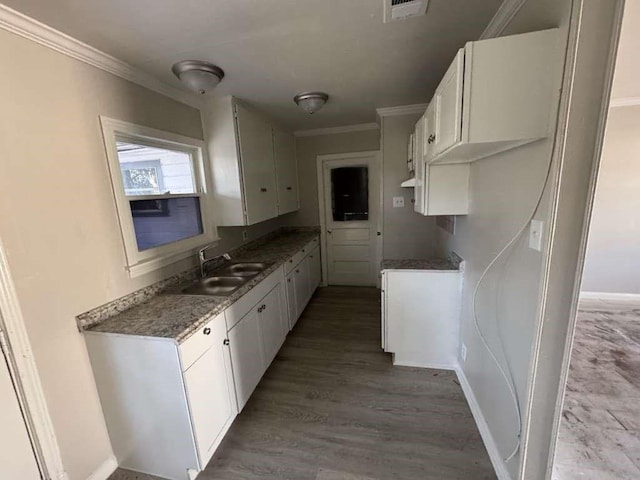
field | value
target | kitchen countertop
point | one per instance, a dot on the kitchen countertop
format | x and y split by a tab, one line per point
435	264
177	316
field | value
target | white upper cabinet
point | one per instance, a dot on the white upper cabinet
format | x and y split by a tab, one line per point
446	130
253	165
255	140
496	95
418	159
284	149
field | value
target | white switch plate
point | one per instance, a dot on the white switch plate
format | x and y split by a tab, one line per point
398	202
463	353
535	235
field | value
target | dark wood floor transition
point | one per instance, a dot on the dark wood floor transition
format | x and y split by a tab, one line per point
332	407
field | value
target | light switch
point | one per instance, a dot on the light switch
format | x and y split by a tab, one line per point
398	202
535	235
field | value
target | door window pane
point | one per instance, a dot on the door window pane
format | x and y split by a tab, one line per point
155	171
162	221
350	194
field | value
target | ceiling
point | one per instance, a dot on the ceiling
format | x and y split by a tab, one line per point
273	49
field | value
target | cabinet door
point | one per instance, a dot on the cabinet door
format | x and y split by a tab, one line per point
418	139
315	270
209	393
247	357
301	273
284	150
448	100
292	303
255	139
271	314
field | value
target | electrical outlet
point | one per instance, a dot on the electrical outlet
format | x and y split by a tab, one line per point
245	235
398	202
535	235
463	353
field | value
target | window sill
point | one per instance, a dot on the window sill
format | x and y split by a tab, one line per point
157	263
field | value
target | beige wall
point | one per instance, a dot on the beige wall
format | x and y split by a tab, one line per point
307	150
407	234
613	252
59	224
504	190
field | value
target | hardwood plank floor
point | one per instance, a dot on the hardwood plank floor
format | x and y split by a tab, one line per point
332	406
600	430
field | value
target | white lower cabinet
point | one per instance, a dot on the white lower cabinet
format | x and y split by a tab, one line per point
302	286
421	316
315	269
273	330
304	274
167	406
211	401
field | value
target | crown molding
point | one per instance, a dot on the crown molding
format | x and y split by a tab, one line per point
360	127
501	19
624	102
402	110
31	29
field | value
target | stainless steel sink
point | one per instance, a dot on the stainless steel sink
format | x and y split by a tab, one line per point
217	286
248	269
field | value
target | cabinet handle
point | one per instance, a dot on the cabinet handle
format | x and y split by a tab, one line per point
297	271
289	188
207	331
264	307
291	260
288	280
303	250
225	341
263	189
310	256
259	309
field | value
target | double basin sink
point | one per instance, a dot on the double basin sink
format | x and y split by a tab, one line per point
226	280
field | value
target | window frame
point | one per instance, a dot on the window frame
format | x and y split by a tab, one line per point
139	262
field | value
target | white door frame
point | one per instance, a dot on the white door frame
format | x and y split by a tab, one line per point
593	37
23	368
320	161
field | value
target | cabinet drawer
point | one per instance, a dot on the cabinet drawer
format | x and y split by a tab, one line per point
294	261
198	343
238	310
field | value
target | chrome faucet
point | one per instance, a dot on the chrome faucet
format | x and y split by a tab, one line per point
203	260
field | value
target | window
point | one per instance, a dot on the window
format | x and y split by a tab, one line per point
160	190
350	194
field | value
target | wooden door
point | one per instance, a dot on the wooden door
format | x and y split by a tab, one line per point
352	223
255	139
271	324
209	393
284	149
17	459
247	356
292	303
448	100
315	270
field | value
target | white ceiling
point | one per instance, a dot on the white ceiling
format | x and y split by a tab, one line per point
273	49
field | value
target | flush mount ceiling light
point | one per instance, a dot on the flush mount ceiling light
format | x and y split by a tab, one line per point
311	102
198	76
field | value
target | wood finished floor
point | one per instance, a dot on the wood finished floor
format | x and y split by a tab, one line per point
332	407
600	430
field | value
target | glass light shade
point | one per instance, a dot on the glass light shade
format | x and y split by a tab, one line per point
311	102
199	81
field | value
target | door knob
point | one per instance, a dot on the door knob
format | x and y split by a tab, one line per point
329	232
207	331
226	341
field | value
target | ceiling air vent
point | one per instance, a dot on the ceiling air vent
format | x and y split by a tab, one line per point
401	9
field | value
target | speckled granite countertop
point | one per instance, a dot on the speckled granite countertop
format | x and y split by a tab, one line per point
177	316
436	264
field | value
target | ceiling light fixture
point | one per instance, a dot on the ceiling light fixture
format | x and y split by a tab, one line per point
311	102
198	76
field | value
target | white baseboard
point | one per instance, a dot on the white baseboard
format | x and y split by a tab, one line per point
492	448
105	470
610	296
